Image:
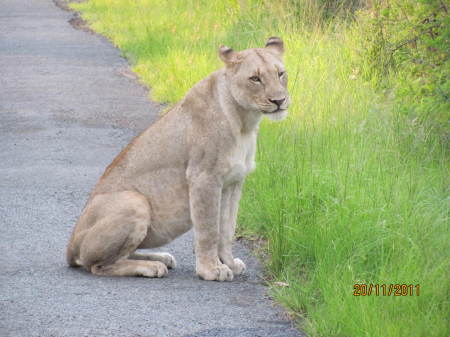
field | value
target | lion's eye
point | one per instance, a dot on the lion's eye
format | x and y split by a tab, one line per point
281	73
255	79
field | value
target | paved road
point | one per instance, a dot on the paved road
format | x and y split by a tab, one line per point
67	106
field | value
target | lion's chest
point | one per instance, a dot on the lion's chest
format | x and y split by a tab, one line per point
241	159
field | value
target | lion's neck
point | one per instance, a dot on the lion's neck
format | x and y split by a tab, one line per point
243	120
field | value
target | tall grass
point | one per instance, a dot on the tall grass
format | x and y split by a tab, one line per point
346	191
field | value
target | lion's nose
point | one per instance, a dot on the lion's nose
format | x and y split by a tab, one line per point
277	102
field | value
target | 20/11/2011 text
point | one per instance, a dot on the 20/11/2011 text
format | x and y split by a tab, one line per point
386	289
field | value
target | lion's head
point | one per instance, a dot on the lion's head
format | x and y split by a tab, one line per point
257	79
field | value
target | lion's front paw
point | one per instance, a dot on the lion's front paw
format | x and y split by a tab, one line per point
218	273
239	267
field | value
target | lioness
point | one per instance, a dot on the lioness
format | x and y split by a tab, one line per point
187	169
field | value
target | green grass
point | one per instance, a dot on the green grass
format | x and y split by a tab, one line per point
347	190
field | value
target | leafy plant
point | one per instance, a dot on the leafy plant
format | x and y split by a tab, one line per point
411	40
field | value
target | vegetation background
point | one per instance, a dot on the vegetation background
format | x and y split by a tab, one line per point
353	187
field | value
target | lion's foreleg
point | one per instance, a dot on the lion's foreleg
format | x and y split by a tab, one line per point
204	197
229	210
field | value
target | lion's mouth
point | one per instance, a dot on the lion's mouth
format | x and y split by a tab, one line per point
274	111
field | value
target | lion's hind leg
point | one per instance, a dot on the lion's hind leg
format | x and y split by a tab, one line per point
128	267
165	258
122	220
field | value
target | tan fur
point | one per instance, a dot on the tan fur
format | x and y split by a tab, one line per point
186	170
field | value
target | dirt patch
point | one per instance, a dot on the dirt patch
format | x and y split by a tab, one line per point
76	21
64	4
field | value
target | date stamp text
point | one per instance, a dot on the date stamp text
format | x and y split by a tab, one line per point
386	289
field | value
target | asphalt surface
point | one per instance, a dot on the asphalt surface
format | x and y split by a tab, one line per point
68	104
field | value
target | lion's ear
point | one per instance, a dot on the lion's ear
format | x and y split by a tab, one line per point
227	55
275	44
